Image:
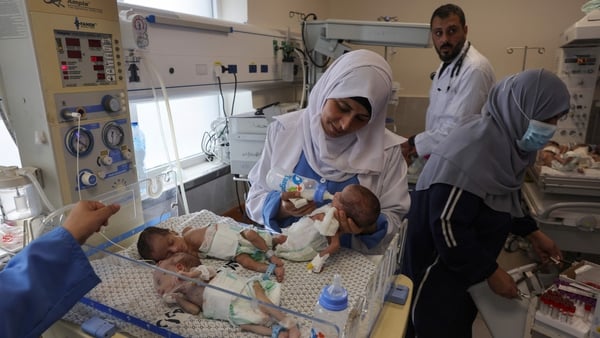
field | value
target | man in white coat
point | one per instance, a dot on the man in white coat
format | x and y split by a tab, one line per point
460	85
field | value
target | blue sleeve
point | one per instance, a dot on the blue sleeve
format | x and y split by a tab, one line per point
41	283
270	210
370	240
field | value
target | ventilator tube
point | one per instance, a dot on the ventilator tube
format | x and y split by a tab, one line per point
278	179
332	307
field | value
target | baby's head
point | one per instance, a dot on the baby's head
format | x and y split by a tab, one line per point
157	243
360	204
181	261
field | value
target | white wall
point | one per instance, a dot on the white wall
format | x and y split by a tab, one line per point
493	27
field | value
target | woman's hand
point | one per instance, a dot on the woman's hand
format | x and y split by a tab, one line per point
503	284
347	225
544	246
288	209
88	217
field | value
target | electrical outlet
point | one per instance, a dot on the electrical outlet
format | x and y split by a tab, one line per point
218	69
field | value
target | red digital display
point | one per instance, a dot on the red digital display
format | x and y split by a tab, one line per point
101	76
94	43
72	42
74	54
95	58
98	67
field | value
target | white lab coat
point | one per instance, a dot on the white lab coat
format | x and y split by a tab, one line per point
453	99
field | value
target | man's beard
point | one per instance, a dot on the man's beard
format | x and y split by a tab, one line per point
453	53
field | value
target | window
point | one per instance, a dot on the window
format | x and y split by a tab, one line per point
10	153
193	7
198	122
232	10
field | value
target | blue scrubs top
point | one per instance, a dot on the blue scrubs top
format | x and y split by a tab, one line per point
41	283
273	200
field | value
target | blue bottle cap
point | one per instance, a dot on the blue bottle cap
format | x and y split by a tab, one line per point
322	194
334	297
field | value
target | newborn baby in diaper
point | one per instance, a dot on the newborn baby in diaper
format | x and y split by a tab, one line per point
195	297
250	247
316	236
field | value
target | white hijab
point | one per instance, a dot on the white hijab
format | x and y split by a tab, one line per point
482	156
357	73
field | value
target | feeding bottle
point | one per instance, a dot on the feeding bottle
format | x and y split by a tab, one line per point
332	306
278	179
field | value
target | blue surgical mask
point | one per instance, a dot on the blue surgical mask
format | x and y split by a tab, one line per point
536	136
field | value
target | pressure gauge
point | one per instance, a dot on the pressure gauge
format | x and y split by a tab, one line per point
112	135
79	141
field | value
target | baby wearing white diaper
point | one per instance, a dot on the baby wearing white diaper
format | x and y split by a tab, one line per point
316	236
195	297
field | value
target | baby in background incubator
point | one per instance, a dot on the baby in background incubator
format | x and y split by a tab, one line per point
569	158
214	304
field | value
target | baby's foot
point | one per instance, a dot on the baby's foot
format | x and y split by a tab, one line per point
293	332
291	329
279	272
279	239
276	260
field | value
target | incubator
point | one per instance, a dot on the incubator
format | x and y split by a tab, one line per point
127	298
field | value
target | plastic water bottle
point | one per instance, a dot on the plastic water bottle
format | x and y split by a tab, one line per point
332	306
278	179
139	146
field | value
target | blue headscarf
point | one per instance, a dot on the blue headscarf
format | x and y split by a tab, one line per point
482	156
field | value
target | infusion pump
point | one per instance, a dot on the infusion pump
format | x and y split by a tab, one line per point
62	67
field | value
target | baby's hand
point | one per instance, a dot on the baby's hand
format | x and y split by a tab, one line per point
276	260
316	265
204	272
169	298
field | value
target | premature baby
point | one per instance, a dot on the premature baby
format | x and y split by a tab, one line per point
195	297
316	236
246	245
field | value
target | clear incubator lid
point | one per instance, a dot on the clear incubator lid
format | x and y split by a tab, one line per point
128	298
